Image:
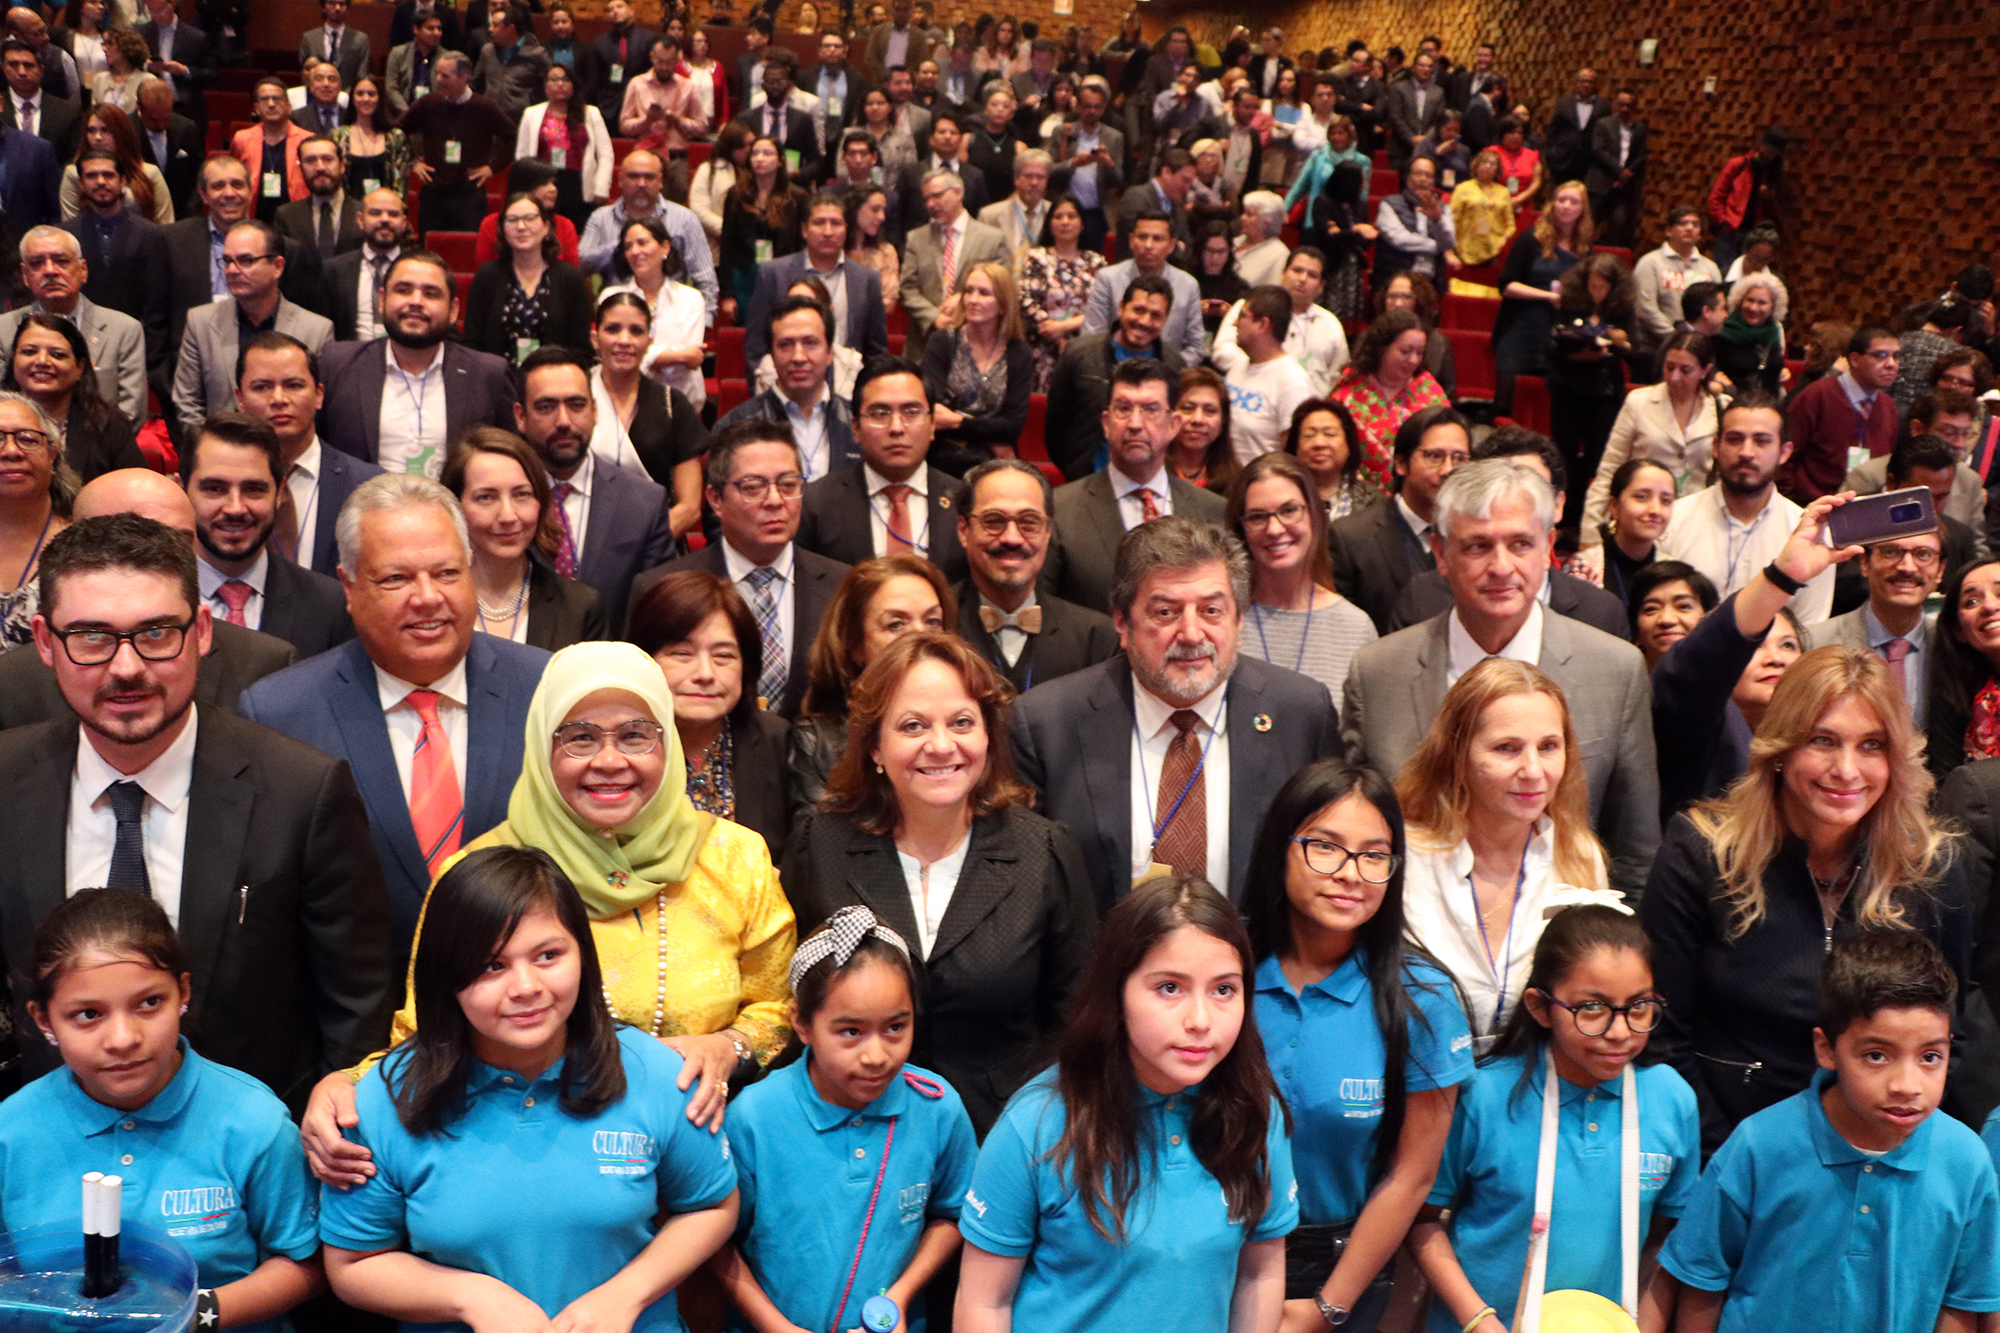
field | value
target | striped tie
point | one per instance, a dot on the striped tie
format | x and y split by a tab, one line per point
764	600
436	807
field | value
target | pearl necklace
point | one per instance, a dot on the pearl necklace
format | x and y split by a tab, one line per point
504	612
660	992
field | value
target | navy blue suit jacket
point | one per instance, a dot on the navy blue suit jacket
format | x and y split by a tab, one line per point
30	175
867	325
339	474
627	535
331	702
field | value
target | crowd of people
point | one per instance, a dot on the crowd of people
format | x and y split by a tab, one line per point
1227	808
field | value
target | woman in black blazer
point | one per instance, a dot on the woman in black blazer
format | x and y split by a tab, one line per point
705	638
50	363
527	298
979	371
503	490
1007	914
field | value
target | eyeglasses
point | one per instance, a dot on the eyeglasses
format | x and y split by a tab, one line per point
1147	411
1892	556
1885	355
1327	858
881	414
752	489
1288	513
95	647
1444	457
27	441
993	523
524	220
243	261
635	736
1593	1017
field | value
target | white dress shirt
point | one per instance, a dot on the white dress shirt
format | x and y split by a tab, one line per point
163	822
1525	646
406	727
412	433
367	323
1152	732
1702	532
809	427
1131	509
916	509
212	580
739	566
1418	528
930	891
302	480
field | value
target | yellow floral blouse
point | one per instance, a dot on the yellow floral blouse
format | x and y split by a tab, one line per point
1483	220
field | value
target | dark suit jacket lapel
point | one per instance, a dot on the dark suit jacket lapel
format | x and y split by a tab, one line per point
487	787
942	537
365	742
845	526
222	799
1104	739
372	372
876	878
39	807
281	598
1253	750
457	390
612	530
982	884
1106	526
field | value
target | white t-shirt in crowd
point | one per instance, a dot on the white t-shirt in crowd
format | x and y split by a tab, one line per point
1261	401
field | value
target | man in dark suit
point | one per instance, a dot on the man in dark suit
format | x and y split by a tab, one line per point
403	23
171	142
416	672
802	352
626	51
194	251
1004	524
894	501
232	471
250	841
352	291
613	522
1179	688
1376	552
777	115
1167	192
748	73
753	485
1616	176
181	56
1362	98
1468	81
53	118
1080	386
840	87
327	219
856	286
29	176
360	408
125	262
1094	514
1269	62
336	41
1566	146
1415	108
946	139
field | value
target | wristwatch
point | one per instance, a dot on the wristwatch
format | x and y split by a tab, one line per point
743	1051
1335	1315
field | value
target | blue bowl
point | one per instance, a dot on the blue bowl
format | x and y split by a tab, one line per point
41	1283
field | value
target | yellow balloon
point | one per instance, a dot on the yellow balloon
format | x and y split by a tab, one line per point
1584	1312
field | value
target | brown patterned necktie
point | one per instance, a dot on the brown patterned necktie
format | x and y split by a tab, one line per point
1183	836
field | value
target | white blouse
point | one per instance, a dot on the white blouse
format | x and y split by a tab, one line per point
1647	428
679	320
931	889
1440	916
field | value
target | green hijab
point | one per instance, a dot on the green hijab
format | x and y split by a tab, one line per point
620	871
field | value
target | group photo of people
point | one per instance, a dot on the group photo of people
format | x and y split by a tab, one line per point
1242	663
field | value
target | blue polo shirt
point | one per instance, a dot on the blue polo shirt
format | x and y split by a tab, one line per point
1326	1052
1175	1271
520	1190
213	1161
1804	1230
806	1170
1487	1176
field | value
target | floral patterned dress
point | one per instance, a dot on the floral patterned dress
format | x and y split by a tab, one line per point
1378	416
1053	288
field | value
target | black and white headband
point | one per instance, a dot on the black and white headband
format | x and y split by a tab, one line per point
839	938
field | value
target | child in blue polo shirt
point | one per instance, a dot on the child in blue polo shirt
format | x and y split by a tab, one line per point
1578	1032
1849	1205
208	1155
851	1166
1144	1183
523	1142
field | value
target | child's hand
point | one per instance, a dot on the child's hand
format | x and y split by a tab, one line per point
498	1308
596	1311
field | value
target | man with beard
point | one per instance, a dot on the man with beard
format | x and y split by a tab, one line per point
613	522
326	220
231	471
253	259
1163	761
1004	525
1730	530
354	278
1892	623
196	273
255	845
401	400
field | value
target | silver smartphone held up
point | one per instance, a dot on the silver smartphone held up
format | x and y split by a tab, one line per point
1868	519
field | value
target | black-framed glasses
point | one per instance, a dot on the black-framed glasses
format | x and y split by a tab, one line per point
1327	857
95	647
1593	1017
1288	513
634	736
752	489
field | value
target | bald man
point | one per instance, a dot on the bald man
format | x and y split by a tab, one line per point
237	658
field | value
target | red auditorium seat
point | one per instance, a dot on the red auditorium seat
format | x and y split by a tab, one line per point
1472	362
729	364
459	249
1475	313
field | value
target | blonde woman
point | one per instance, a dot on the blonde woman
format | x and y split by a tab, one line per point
1827	833
978	371
1497	804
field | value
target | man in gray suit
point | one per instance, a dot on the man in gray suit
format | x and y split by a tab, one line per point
1892	623
253	260
1094	514
344	47
1415	108
926	282
52	267
1494	522
1134	754
1090	158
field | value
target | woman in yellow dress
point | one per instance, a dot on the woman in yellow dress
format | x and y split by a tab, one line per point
692	928
1482	217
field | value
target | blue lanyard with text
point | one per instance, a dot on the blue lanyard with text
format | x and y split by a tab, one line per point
1160	825
1504	967
1305	635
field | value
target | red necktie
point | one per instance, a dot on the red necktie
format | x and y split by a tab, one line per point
566	553
436	805
899	519
1149	504
948	262
235	594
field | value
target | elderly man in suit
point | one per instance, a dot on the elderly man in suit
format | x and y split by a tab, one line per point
53	268
613	522
1491	540
752	482
938	254
1020	216
858	319
400	401
251	842
1566	145
1377	552
233	473
1005	523
1093	515
893	500
1165	759
429	714
337	43
205	377
1892	623
194	254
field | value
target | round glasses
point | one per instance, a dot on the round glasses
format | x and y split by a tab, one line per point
1593	1017
636	736
1327	858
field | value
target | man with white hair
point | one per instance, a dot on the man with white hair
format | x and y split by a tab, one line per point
427	713
1019	217
941	254
1260	253
1493	533
52	267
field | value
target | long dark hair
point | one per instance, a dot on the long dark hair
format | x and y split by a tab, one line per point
1959	673
471	915
1103	1137
125	147
1571	936
1267	906
382	119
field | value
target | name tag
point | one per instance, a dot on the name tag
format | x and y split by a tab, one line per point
763	249
421	90
369	185
559	158
792	160
274	184
1450	178
523	346
454	152
833	108
618	74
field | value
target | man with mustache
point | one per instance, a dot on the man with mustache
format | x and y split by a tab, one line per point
1164	761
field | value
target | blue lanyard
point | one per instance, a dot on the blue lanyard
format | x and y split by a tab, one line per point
1201	764
1304	635
921	543
1506	961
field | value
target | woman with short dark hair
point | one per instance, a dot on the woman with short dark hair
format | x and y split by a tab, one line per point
528	297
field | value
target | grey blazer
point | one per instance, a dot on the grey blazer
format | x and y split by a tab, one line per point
1851	631
1088	530
354	53
205	379
922	285
1397	686
117	352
